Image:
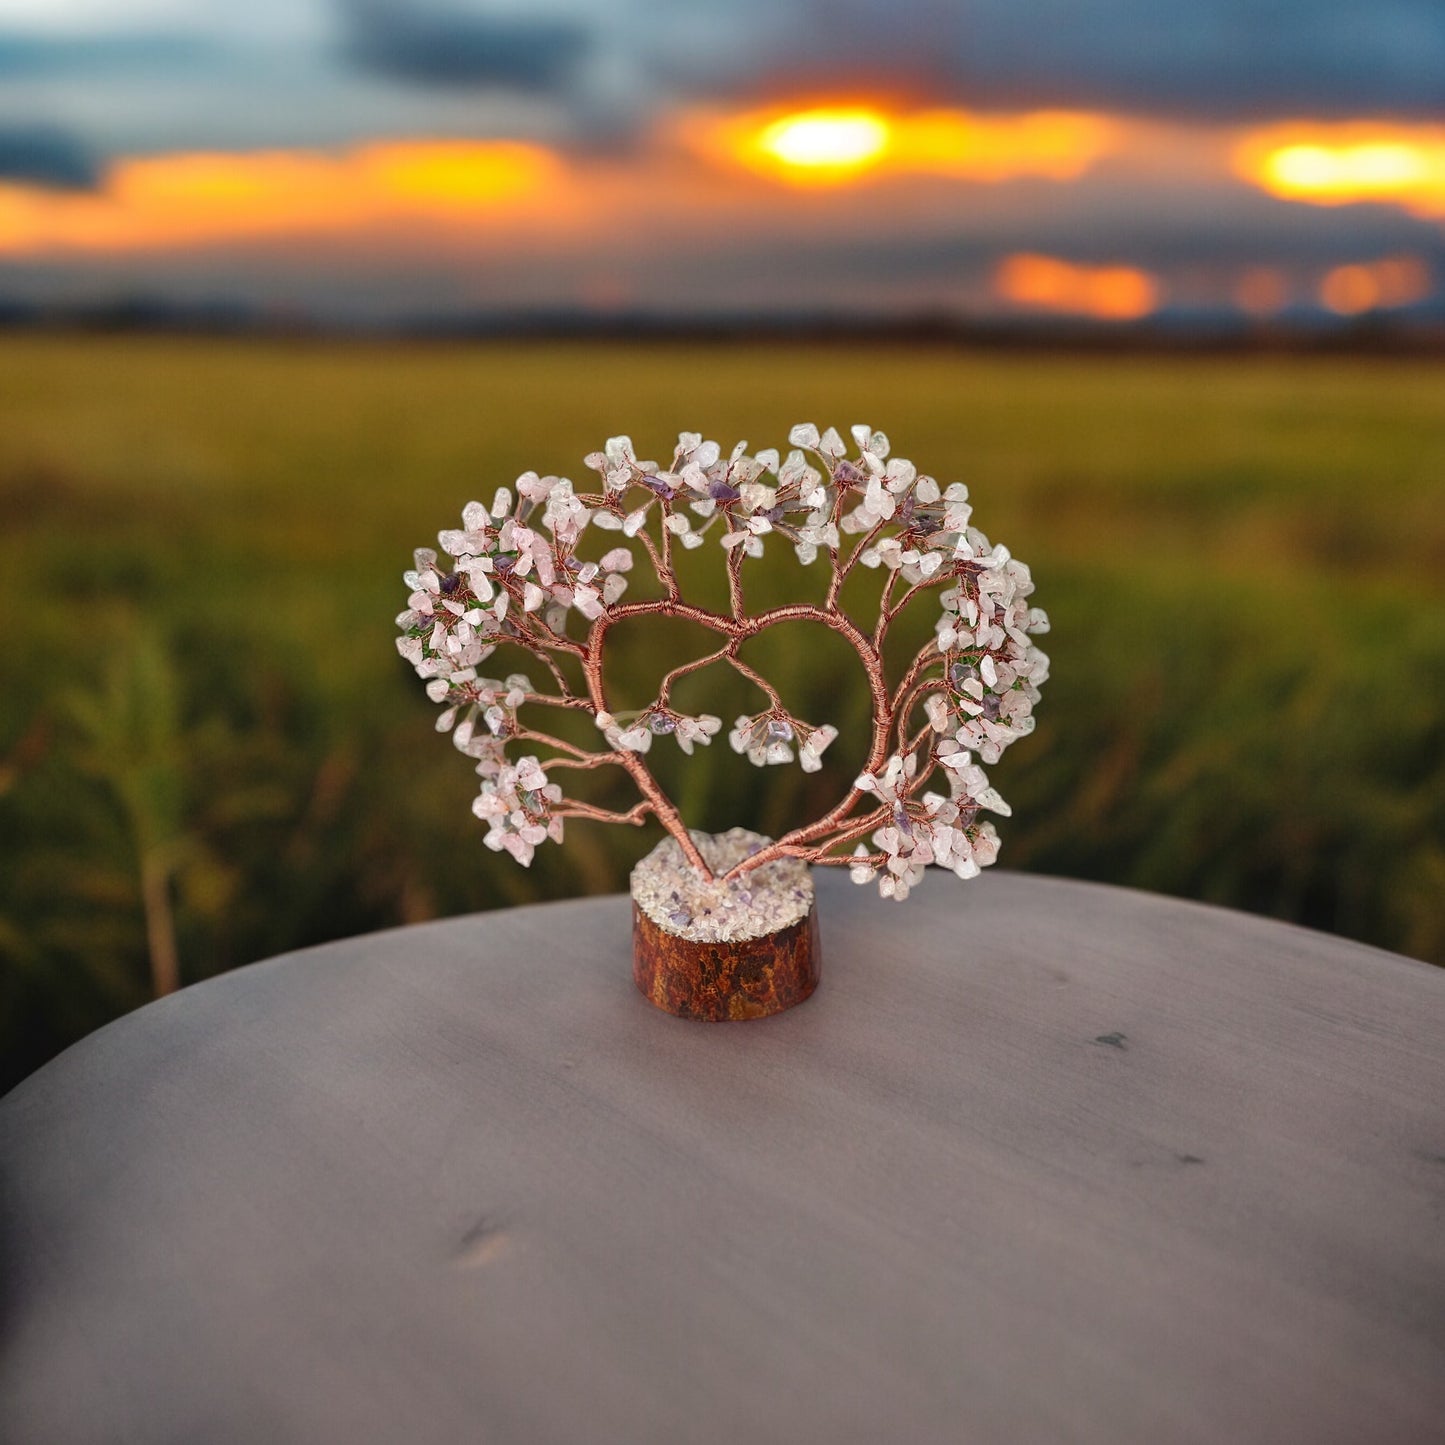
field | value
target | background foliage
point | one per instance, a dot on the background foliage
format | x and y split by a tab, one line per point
206	733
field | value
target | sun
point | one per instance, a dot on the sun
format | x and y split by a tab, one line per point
824	145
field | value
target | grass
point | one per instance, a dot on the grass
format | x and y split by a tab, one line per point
200	549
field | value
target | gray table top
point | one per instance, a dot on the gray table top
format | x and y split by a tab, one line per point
1039	1161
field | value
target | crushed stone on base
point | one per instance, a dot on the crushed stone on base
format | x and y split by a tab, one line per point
758	903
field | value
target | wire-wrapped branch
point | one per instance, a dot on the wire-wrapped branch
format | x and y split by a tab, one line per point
635	815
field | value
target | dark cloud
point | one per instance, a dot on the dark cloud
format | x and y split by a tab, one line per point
1209	59
1214	58
450	46
42	156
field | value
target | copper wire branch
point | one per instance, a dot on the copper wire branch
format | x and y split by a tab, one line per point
735	582
849	562
665	690
835	582
568	697
592	760
663	570
568	700
885	617
538	636
754	677
635	815
532	735
647	785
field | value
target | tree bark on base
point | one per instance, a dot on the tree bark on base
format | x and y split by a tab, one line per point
718	982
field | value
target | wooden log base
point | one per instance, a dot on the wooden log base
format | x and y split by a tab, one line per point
717	982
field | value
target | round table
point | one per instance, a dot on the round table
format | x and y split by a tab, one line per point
1040	1161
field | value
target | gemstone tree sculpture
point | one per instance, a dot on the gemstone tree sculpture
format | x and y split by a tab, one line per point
726	926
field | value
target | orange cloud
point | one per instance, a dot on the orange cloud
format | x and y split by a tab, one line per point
1108	293
1395	281
1339	165
156	202
1262	291
833	145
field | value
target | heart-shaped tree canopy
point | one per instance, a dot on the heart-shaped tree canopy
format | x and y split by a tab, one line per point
515	575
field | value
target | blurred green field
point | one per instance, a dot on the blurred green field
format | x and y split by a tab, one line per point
200	700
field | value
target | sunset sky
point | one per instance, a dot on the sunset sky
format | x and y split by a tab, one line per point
368	159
